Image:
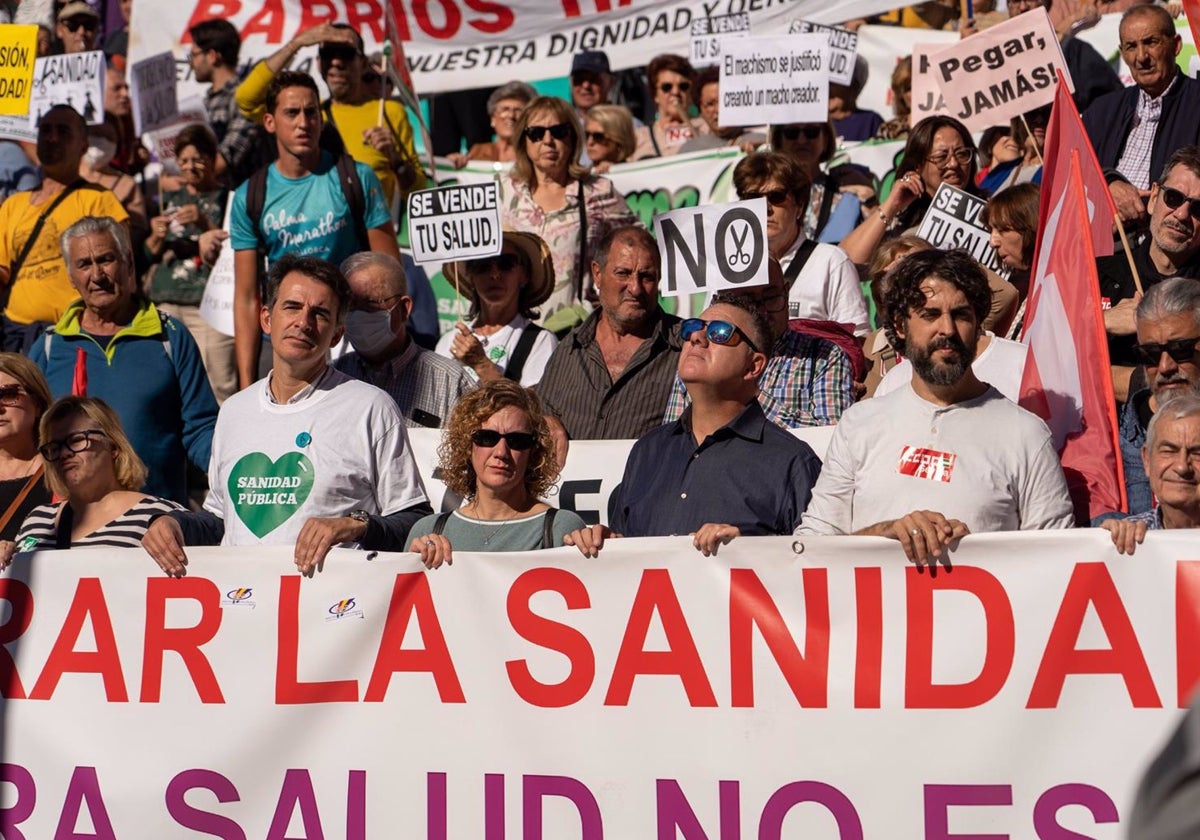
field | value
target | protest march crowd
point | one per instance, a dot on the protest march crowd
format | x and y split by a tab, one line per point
117	396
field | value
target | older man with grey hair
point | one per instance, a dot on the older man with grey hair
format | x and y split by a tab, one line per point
1171	458
114	344
424	385
1168	331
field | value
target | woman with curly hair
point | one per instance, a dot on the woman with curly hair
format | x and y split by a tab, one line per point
496	453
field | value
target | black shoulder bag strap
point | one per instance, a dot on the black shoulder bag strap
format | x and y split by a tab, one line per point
797	264
583	255
439	524
37	228
516	362
62	531
548	528
654	141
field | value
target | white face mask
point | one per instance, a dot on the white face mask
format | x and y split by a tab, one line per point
100	151
370	332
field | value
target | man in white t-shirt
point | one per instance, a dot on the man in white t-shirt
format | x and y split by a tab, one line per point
306	455
944	455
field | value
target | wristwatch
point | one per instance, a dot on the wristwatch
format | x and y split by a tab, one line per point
360	516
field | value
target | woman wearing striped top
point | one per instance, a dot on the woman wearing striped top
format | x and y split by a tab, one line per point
91	464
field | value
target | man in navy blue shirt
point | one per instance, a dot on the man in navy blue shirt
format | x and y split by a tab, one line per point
722	469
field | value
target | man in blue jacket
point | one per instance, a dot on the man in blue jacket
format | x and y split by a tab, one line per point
113	344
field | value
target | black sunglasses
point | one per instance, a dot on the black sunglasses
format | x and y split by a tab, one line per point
682	87
337	51
717	332
535	133
76	23
517	441
505	262
1173	198
1179	349
596	137
10	395
793	132
778	198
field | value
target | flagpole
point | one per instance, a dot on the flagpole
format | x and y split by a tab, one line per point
1137	280
1029	134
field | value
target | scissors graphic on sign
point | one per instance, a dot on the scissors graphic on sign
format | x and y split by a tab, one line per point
741	257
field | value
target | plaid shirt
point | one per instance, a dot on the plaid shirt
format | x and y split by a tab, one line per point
237	136
424	385
1152	518
808	382
1135	160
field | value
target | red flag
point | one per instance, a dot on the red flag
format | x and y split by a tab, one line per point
1064	134
1066	380
1191	10
79	380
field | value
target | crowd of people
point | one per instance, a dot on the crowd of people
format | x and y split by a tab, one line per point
117	399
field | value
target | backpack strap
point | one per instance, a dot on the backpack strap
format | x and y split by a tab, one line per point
352	189
583	254
548	528
330	139
516	362
831	187
439	524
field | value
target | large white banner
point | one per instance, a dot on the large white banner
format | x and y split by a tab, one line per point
820	688
457	44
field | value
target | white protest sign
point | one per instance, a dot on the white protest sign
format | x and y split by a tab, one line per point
216	307
152	90
952	221
455	223
707	34
843	44
1002	72
162	142
927	99
17	128
774	80
713	247
76	79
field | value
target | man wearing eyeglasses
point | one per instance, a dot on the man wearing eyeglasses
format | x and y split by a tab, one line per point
1172	249
1135	130
945	455
308	456
424	385
722	469
76	26
1168	332
352	109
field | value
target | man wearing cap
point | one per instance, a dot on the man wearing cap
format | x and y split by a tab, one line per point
384	145
424	385
76	26
504	293
591	80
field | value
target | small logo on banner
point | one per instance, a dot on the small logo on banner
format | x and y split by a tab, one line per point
926	463
241	596
345	608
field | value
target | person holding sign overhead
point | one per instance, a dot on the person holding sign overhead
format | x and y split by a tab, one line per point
671	79
550	194
502	341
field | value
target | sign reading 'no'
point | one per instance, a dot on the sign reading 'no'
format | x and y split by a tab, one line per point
713	247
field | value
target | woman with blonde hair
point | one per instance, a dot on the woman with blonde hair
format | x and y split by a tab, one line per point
91	465
549	193
497	453
609	133
24	398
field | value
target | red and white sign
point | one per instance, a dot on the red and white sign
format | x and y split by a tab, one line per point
926	463
762	693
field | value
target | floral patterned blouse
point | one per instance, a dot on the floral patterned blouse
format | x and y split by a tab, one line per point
604	209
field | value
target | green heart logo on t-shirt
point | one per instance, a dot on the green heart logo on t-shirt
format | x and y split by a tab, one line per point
266	493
